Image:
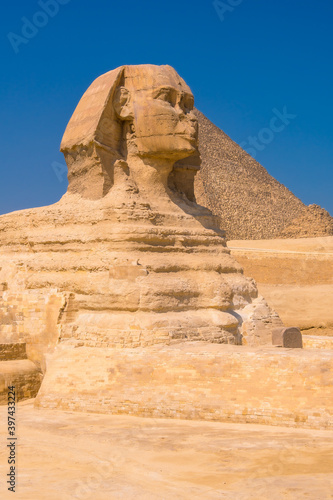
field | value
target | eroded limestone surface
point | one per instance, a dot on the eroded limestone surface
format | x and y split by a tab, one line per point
127	258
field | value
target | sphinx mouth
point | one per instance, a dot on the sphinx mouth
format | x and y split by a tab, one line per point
191	133
190	128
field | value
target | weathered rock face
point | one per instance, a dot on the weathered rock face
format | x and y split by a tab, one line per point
295	276
314	221
250	203
126	258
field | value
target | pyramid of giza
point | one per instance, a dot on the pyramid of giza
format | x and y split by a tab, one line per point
249	202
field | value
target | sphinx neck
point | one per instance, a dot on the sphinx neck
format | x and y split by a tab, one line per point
151	176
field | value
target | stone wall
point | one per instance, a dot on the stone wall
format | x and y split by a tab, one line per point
195	381
8	352
31	317
295	277
22	374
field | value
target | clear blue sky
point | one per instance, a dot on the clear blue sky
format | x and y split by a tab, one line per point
263	55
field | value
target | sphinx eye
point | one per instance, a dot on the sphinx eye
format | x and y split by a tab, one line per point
188	103
166	95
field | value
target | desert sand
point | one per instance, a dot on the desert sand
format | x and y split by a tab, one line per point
65	455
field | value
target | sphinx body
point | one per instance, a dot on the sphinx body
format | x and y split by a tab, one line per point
127	258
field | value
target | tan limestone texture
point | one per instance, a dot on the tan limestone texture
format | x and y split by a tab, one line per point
28	317
295	276
314	221
195	380
318	341
126	258
9	352
18	371
248	201
23	375
289	337
65	455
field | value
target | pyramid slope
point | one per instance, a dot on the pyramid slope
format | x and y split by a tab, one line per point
249	202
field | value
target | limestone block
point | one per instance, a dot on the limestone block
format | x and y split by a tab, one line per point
24	375
13	351
194	380
287	337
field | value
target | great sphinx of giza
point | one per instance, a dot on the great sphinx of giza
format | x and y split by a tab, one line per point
127	258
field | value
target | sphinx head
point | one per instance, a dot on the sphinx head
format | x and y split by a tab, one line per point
156	107
143	111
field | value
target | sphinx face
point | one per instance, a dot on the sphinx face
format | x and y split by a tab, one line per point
164	123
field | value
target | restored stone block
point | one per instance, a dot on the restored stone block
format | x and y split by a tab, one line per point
287	337
21	373
13	351
195	380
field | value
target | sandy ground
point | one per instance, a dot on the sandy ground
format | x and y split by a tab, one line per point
65	455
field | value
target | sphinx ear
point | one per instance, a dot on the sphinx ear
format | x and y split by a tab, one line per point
122	104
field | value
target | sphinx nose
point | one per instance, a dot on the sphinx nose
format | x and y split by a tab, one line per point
179	109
